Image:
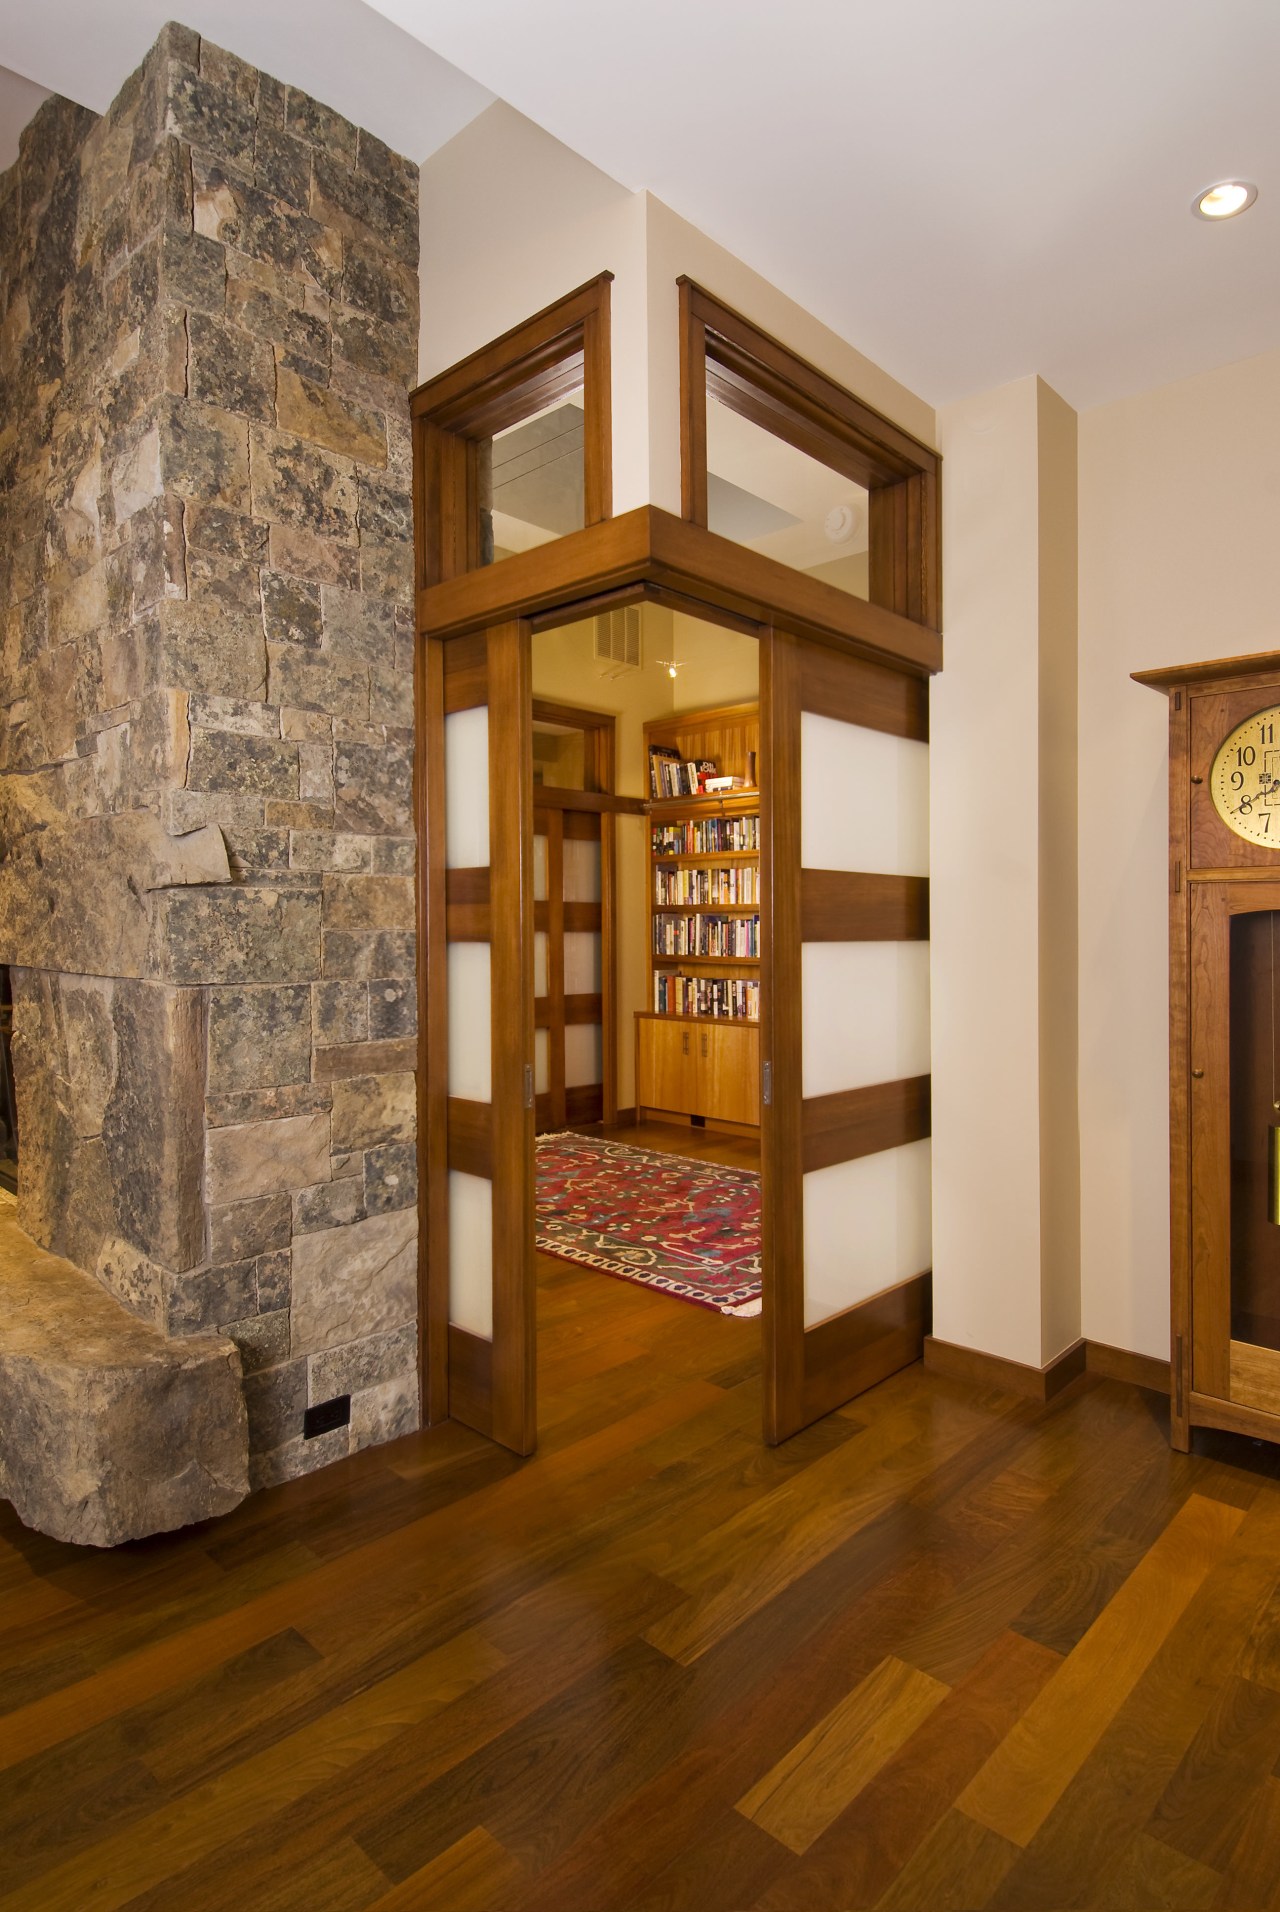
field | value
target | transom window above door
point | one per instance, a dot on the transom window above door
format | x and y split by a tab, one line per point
515	440
778	458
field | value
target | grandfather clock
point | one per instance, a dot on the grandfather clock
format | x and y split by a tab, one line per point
1224	1042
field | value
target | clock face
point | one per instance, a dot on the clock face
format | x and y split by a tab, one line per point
1245	780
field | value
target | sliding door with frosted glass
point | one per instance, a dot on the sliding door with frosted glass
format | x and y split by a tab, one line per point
845	1132
572	851
480	1031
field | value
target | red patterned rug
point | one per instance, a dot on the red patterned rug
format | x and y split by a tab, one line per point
689	1228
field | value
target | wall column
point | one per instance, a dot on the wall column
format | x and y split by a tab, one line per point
1004	882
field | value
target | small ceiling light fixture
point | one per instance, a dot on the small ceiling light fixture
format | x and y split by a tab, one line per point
1224	199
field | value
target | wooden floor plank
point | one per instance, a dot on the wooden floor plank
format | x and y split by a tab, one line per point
133	1861
1028	1773
737	1567
811	1784
1252	1873
956	1869
471	1875
1113	1796
863	1851
1149	1875
1203	1809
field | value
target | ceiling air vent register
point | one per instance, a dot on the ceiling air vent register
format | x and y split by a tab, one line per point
618	641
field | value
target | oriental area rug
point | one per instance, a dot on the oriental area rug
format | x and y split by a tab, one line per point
689	1228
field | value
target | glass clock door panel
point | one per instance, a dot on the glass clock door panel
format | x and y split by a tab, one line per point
1255	1129
1255	1159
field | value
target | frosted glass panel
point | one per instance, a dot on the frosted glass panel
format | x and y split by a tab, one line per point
864	799
583	1055
867	1226
540	947
470	996
581	871
581	963
471	1253
864	1014
466	789
540	891
541	1061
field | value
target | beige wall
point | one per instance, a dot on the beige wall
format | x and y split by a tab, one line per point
1179	498
1002	765
984	850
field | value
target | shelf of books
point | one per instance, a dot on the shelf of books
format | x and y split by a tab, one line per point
704	865
698	1040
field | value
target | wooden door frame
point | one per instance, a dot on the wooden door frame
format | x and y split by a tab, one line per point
645	554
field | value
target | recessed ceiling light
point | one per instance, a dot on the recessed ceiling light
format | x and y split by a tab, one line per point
1225	199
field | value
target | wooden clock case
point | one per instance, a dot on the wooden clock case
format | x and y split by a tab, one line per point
1224	1249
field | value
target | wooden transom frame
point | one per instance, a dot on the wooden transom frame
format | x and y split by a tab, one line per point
563	346
758	377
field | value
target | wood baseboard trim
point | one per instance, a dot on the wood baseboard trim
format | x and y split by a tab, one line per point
1013	1377
1122	1364
1041	1384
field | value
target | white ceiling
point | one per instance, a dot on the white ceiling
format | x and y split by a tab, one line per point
968	193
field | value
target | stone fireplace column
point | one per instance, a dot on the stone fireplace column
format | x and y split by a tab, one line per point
208	329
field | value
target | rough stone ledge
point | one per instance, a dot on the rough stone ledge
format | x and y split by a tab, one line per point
109	1431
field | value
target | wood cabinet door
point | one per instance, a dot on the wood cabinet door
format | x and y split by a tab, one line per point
667	1066
728	1073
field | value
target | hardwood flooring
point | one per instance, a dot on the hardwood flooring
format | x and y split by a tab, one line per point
943	1650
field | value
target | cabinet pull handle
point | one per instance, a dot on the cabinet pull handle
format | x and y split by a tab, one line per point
685	1042
706	1043
1197	1075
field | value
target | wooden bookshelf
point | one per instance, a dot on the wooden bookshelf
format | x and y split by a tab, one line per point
698	1039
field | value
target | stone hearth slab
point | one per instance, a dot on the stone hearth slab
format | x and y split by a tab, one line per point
108	1430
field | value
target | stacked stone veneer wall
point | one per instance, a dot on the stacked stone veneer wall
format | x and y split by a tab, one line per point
208	324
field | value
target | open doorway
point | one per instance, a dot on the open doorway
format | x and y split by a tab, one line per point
647	963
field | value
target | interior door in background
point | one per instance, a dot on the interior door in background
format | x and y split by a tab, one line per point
845	1153
574	876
